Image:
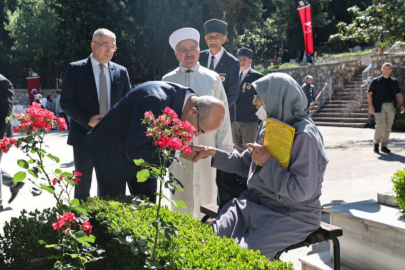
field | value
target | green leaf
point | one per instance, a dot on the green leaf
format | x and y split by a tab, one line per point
33	173
18	177
80	210
75	202
141	163
74	255
56	159
181	204
91	238
71	182
66	174
134	250
42	242
113	203
122	240
50	246
31	161
50	189
23	164
58	171
159	171
143	175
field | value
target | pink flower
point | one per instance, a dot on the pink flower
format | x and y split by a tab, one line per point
54	181
171	113
62	123
16	129
7	143
77	180
76	173
69	216
87	228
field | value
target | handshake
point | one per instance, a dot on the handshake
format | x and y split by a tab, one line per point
199	152
259	154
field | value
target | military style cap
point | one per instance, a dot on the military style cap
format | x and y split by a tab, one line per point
182	34
215	26
245	52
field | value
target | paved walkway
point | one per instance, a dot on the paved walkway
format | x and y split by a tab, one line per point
354	173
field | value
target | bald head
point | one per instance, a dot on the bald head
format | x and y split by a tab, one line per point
205	113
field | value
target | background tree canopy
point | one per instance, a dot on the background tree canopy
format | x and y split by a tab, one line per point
43	36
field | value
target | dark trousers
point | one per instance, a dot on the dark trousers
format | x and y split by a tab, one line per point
83	164
114	186
230	185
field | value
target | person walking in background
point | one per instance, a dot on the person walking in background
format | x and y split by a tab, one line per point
59	110
39	100
308	89
90	88
6	109
244	129
50	105
384	96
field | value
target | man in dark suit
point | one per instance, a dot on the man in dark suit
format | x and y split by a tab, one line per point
244	129
90	88
120	137
218	59
6	109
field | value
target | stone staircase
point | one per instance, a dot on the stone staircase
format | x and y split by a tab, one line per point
343	110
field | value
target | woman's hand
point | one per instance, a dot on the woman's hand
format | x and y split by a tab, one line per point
260	155
203	152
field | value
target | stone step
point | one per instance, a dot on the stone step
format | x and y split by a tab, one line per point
342	110
342	114
319	261
341	124
316	118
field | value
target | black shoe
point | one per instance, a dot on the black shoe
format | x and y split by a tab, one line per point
376	148
385	149
14	191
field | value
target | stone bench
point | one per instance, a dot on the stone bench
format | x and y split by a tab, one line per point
325	232
374	235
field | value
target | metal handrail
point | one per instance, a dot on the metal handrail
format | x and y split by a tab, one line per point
319	100
366	82
317	97
367	69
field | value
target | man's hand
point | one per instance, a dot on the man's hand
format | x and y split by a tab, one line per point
189	157
203	152
402	109
371	109
260	155
95	119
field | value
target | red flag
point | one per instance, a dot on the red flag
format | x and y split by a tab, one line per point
306	20
275	57
33	88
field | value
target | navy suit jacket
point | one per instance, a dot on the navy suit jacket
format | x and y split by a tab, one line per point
246	111
79	99
120	137
228	70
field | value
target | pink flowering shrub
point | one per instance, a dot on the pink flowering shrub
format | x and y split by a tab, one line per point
74	229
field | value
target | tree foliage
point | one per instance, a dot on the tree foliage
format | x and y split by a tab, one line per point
383	21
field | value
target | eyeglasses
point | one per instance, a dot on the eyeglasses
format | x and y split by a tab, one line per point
198	121
107	46
184	50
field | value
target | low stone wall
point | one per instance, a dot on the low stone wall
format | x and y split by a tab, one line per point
364	58
334	73
21	95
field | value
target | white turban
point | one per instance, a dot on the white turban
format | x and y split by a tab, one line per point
183	34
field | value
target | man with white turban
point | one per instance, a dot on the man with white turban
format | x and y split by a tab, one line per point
199	181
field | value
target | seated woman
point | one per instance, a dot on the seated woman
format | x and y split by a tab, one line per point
281	206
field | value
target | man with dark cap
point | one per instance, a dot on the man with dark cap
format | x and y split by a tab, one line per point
218	59
244	129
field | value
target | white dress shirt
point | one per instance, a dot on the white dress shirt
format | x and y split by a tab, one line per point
217	57
244	74
96	70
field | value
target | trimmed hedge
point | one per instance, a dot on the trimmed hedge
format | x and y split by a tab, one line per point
195	246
